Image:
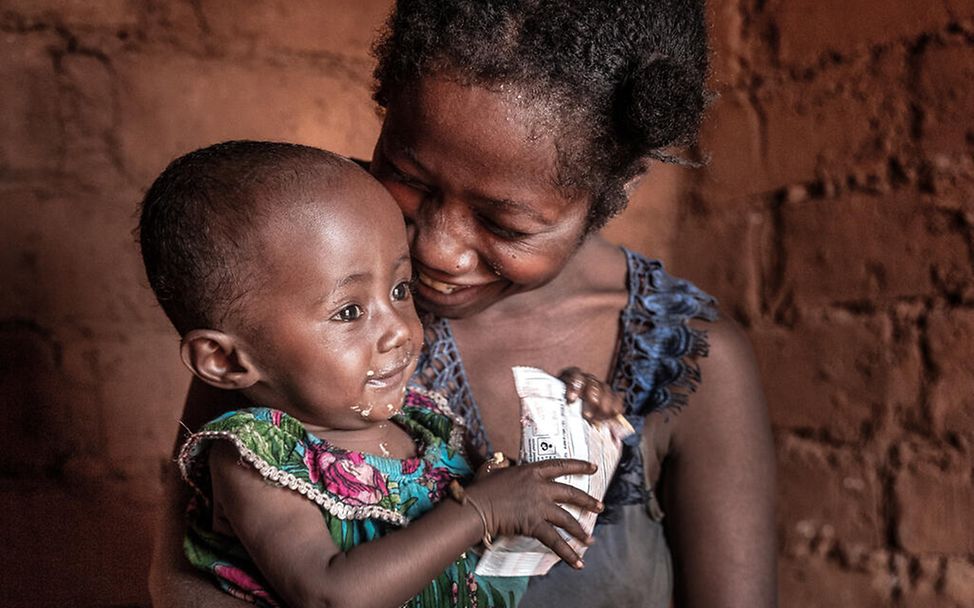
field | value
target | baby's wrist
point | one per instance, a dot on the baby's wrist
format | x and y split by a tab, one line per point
465	499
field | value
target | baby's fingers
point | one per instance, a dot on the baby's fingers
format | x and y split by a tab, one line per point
564	520
550	537
570	495
556	467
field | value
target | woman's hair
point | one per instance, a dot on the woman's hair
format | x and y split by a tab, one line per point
623	79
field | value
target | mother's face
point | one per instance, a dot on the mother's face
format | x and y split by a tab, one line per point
477	188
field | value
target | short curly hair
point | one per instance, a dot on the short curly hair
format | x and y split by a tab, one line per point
199	219
626	78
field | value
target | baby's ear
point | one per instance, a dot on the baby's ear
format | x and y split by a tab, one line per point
217	359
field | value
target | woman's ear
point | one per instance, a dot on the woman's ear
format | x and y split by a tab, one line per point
216	358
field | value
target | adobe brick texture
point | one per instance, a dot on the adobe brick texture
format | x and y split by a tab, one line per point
835	221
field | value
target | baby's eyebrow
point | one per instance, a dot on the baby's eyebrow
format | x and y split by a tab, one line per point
358	277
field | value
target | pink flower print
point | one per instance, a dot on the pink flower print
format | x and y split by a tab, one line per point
437	479
243	581
356	481
317	458
472	589
410	465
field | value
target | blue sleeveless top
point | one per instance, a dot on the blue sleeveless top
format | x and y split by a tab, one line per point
654	368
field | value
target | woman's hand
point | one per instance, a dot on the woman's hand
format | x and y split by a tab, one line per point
599	402
525	500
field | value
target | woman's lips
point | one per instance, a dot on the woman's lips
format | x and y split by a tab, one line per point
439	286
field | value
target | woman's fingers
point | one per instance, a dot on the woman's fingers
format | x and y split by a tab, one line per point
598	400
574	380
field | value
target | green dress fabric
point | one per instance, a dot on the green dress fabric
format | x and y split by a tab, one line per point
361	496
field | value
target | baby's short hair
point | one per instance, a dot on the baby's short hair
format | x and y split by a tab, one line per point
199	218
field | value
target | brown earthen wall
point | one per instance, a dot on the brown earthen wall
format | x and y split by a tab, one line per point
835	221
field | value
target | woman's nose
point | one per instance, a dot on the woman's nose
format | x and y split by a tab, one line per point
442	238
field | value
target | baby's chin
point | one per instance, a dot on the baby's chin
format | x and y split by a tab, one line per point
382	408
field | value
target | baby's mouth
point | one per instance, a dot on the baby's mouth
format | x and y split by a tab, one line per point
389	375
438	286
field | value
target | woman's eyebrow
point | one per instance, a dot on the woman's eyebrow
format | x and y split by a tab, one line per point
511	206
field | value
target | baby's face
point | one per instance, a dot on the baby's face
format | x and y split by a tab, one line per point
333	326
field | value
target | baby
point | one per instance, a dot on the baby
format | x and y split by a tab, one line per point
286	271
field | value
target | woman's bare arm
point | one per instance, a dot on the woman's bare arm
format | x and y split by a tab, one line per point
173	582
719	484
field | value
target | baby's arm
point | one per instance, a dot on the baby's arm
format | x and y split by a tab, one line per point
287	538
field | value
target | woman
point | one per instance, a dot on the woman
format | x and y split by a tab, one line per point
512	132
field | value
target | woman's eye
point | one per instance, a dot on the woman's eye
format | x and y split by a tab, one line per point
505	233
348	313
401	291
407	181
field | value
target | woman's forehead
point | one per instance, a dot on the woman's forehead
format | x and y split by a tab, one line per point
485	130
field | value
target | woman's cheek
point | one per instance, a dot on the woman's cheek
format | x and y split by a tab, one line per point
408	199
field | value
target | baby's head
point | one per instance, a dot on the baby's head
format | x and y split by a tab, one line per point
286	270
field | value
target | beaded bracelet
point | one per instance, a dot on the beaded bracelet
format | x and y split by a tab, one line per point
458	494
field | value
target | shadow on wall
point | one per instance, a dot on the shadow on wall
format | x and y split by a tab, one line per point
834	220
97	98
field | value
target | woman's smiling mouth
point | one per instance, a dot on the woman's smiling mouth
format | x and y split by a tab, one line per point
438	286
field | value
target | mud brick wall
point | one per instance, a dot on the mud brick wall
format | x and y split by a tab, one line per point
834	220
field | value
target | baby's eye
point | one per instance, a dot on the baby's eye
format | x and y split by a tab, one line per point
402	290
348	313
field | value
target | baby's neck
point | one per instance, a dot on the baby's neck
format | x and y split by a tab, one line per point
384	438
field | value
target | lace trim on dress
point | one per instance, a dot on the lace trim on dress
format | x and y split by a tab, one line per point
283	479
278	432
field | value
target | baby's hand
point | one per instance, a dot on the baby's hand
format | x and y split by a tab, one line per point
525	500
599	402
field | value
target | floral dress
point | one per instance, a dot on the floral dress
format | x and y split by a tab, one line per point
361	496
